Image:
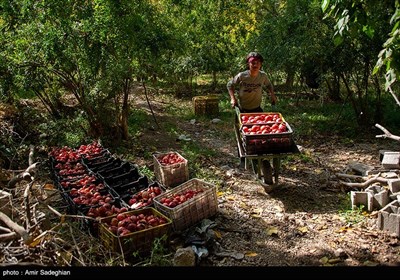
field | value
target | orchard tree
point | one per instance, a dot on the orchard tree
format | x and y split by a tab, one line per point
90	49
371	18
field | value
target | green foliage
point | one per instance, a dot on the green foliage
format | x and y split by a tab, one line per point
64	132
143	169
159	253
311	117
353	216
92	50
362	20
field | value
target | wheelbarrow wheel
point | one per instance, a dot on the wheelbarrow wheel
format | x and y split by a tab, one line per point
268	188
267	182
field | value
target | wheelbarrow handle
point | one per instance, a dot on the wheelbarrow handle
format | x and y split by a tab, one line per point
237	110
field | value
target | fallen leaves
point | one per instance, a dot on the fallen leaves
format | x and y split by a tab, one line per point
251	254
272	231
257	212
326	261
302	230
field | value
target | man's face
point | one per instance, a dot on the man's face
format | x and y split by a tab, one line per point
254	64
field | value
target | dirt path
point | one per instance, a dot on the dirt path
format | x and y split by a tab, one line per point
300	223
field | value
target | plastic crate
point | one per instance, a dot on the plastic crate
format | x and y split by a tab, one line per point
140	201
199	207
94	156
131	176
131	187
96	213
267	143
111	163
170	175
116	171
259	114
83	205
206	105
98	161
139	241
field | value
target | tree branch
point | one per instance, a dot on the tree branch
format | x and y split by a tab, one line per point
8	236
387	133
17	228
26	175
366	183
26	203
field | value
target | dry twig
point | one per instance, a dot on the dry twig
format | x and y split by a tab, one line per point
368	182
387	133
17	228
26	175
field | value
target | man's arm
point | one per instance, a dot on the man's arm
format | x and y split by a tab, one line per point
271	91
231	89
274	99
233	97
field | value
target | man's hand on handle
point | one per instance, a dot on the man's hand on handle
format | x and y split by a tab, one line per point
234	102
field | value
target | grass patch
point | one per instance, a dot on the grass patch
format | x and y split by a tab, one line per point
137	120
350	215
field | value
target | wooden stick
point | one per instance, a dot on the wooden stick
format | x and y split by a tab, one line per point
349	176
27	175
366	183
76	245
5	229
17	228
387	134
70	216
46	232
31	154
8	236
26	203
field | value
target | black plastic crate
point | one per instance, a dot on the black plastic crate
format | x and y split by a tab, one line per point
124	168
140	200
95	213
77	182
85	203
110	164
94	156
131	176
97	161
131	187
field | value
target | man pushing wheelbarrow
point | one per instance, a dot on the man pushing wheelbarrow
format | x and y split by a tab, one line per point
253	131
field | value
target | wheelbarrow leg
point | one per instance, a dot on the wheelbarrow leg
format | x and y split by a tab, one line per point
256	166
276	161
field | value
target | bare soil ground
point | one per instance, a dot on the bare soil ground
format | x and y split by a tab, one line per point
300	223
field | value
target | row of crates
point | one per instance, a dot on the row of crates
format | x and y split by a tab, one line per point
174	180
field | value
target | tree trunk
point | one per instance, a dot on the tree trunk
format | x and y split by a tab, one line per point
125	111
289	78
378	104
334	88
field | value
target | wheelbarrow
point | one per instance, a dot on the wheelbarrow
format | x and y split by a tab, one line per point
260	158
